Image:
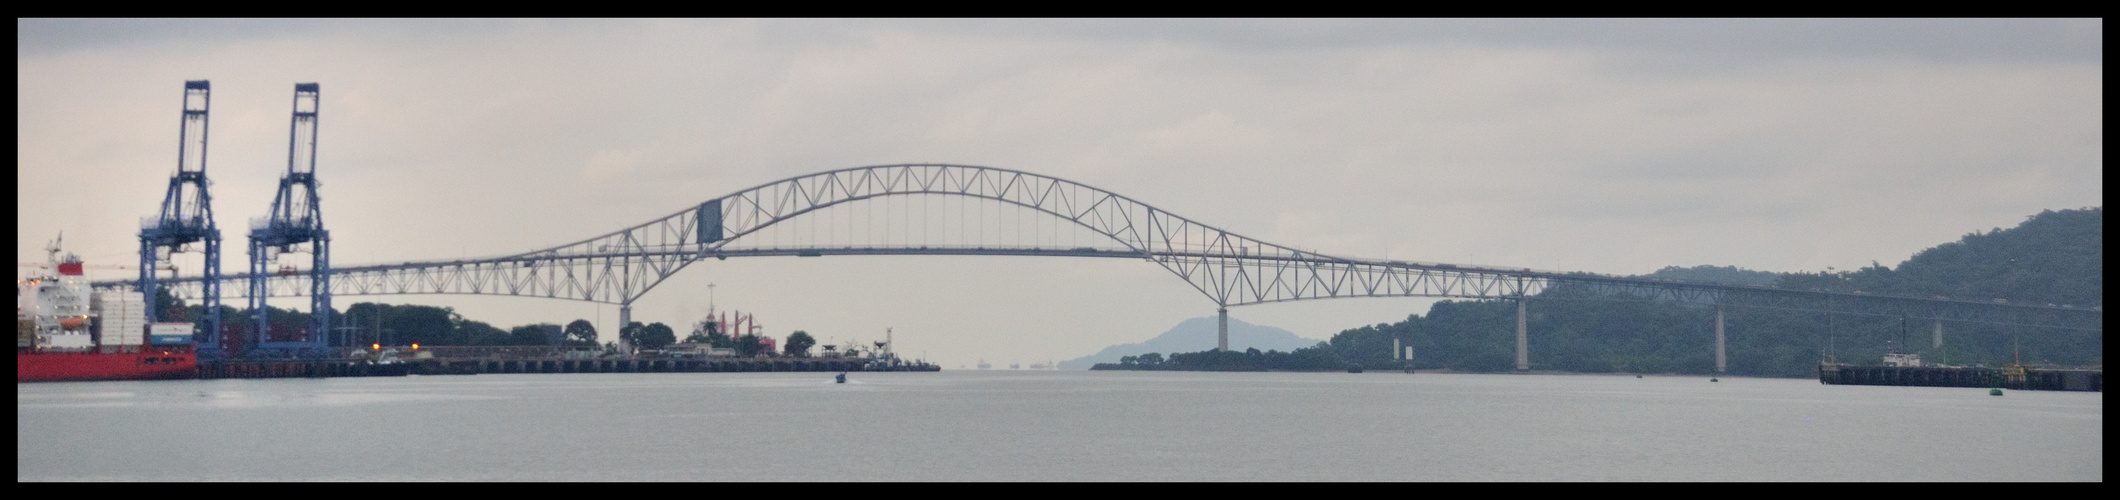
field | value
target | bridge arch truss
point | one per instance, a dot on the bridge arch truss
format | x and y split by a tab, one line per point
1228	268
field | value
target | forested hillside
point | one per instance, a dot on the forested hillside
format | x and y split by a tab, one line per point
2054	257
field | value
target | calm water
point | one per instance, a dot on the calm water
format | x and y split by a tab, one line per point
1064	426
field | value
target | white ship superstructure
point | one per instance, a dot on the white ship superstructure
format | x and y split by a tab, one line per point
52	310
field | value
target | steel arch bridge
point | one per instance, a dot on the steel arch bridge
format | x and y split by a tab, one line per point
1230	269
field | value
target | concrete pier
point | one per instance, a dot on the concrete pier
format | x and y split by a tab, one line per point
2040	379
299	369
659	365
1523	354
1720	361
1222	330
448	366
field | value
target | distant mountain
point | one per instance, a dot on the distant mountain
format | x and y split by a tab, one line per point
1198	334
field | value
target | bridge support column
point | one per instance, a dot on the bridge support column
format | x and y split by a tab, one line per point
1939	334
1222	330
625	317
1523	357
1719	359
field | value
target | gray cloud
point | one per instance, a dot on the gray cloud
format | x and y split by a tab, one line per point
2042	40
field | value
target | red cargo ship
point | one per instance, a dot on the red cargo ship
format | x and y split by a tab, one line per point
65	366
57	336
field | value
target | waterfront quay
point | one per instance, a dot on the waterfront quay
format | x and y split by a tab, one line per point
664	365
510	359
299	369
2008	377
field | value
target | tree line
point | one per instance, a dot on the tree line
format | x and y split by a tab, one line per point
1314	358
368	322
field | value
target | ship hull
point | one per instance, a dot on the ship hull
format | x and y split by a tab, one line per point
79	366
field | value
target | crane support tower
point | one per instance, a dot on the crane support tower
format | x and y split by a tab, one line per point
186	219
296	224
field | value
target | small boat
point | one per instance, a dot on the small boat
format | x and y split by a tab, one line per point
842	378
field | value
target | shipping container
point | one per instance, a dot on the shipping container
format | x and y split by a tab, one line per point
169	333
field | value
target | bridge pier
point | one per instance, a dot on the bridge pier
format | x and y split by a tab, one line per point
1719	359
625	317
1222	330
1523	357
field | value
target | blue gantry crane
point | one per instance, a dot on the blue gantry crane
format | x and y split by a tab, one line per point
186	220
295	224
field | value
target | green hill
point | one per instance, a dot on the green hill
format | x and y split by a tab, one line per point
2053	257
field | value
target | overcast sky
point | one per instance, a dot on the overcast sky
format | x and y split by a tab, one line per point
1611	146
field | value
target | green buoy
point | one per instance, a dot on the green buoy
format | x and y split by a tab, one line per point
1994	392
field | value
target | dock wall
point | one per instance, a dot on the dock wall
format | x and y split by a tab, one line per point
654	365
2037	379
299	369
449	366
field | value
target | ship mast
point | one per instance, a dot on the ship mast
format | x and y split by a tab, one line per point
53	250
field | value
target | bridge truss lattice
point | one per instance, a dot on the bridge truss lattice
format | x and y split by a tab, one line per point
1228	268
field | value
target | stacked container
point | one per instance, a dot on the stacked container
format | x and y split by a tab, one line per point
124	317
